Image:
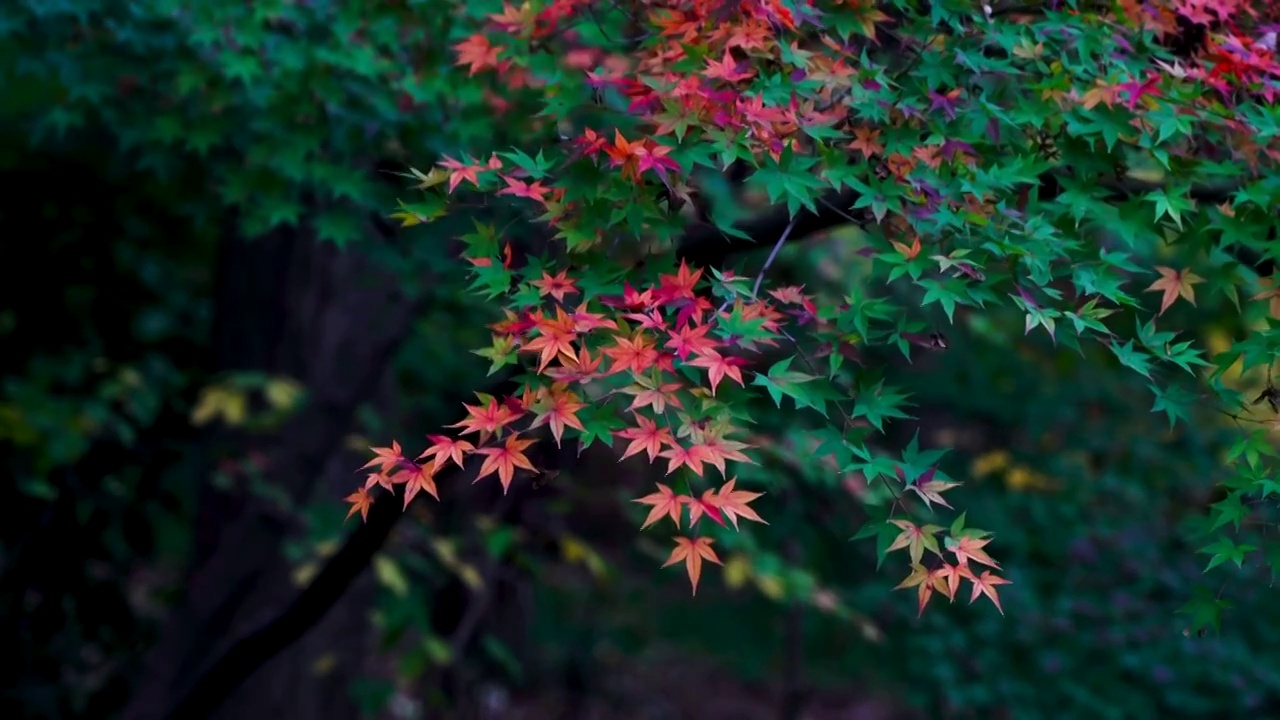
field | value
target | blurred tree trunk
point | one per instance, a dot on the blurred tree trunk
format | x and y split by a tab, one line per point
287	305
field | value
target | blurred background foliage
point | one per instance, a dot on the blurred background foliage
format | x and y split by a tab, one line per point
184	180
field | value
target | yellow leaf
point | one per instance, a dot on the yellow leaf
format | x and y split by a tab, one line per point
990	462
304	573
737	570
324	664
220	402
282	393
470	576
326	548
1021	478
771	587
390	575
576	551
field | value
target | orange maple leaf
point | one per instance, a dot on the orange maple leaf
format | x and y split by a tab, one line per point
1175	283
908	251
691	457
647	395
1272	293
444	448
360	501
664	502
970	548
692	552
557	286
719	367
705	505
555	337
487	419
561	413
477	53
733	503
636	354
387	458
716	450
931	492
504	460
418	479
927	581
986	585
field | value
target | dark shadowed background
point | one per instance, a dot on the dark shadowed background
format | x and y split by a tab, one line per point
206	319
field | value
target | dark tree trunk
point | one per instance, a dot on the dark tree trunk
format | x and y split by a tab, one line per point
286	305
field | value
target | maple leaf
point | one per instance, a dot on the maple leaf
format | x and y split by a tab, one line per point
1272	294
691	339
1174	283
379	479
646	436
733	503
986	585
487	419
555	337
557	286
444	448
635	354
719	367
691	457
387	458
931	492
908	251
664	502
692	552
418	479
360	501
916	539
648	395
504	460
561	413
926	581
728	69
477	53
679	286
716	450
970	548
705	505
580	368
